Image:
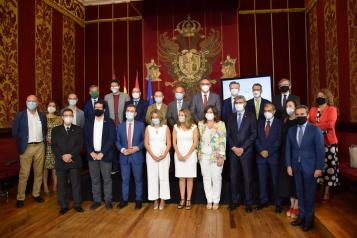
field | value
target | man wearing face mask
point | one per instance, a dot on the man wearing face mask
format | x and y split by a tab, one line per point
116	101
241	135
203	99
89	105
279	101
67	142
78	114
304	158
228	104
175	106
140	105
159	105
267	147
100	137
29	129
257	103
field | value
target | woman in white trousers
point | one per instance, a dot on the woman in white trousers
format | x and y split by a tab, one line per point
157	144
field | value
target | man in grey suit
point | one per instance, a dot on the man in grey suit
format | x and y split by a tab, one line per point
202	99
116	101
175	106
78	114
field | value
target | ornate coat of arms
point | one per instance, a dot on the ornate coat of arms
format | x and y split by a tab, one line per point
153	70
189	55
229	67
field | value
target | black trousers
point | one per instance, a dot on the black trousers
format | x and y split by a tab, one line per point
62	177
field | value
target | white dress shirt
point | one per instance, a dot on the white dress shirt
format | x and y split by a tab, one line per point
302	127
127	130
158	106
97	134
271	122
35	127
282	97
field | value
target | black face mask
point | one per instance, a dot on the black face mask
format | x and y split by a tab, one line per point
301	120
284	89
320	101
98	112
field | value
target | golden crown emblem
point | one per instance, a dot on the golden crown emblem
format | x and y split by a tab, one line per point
188	27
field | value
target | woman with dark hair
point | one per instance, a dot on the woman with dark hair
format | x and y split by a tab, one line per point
324	115
53	120
212	153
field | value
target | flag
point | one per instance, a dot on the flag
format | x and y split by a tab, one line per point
137	80
149	93
125	89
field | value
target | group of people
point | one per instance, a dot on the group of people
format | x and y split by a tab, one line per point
290	146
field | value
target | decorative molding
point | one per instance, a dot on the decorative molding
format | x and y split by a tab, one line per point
310	5
268	11
70	8
134	18
105	2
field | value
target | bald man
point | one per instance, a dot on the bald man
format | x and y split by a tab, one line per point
29	129
78	114
159	105
140	105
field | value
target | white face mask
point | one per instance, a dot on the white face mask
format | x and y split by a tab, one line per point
68	120
129	116
205	88
182	119
256	94
51	109
158	100
290	110
136	95
115	89
234	92
155	121
268	115
209	116
239	107
72	102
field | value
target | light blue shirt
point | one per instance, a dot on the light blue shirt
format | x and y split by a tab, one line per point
302	127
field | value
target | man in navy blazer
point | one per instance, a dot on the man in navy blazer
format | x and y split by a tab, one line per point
228	107
304	155
241	134
257	103
100	134
140	105
267	147
89	104
130	143
30	129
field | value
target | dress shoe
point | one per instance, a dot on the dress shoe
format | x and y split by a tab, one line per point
278	209
298	222
215	206
138	204
248	209
38	199
79	209
108	205
308	227
233	206
95	205
122	204
19	203
63	210
261	206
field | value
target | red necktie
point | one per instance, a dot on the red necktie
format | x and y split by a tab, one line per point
267	129
205	101
129	136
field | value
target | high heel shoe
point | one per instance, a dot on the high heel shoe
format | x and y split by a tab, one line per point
188	205
181	204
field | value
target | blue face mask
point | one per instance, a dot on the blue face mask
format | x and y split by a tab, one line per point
155	121
179	96
158	99
31	105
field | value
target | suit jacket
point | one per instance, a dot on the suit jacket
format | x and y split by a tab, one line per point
141	110
172	114
271	143
280	111
123	98
89	109
227	108
311	152
327	123
163	111
137	140
80	120
108	139
197	108
20	129
245	136
251	107
63	143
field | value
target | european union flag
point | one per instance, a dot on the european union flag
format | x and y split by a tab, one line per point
149	93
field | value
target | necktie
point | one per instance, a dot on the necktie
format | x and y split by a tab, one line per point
284	101
135	102
179	105
257	108
67	130
239	120
300	135
233	107
205	101
267	129
129	136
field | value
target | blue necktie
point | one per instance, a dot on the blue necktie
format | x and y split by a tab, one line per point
239	120
136	102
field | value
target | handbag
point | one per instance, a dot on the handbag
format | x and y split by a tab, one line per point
353	156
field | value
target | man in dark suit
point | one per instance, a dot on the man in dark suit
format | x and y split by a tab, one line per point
241	134
267	147
175	106
304	155
30	129
202	99
67	142
130	143
228	103
279	101
257	103
140	105
100	136
89	104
